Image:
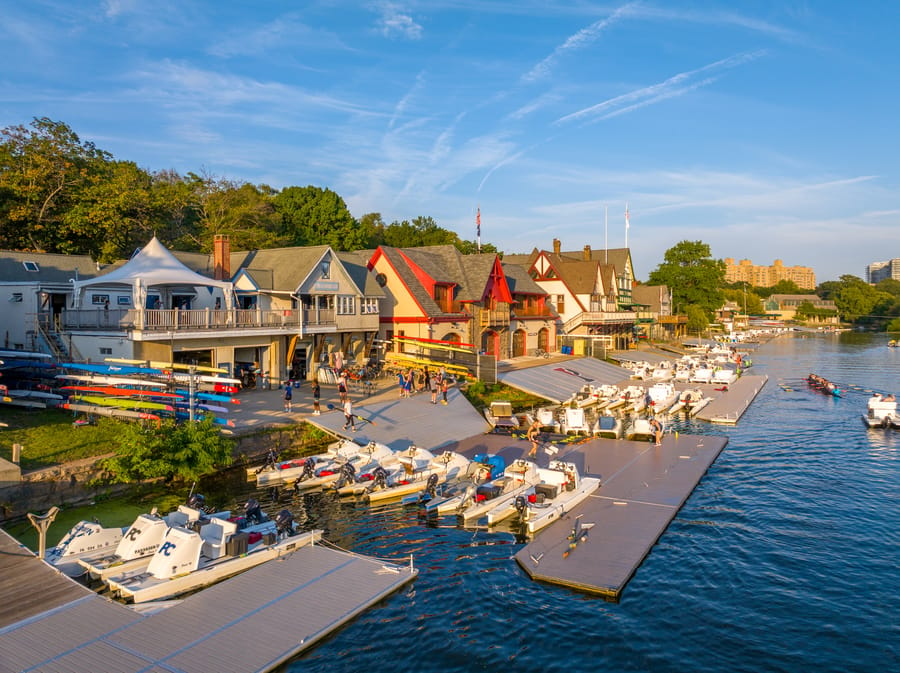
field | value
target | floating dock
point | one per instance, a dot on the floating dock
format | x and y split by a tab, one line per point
253	622
729	406
642	488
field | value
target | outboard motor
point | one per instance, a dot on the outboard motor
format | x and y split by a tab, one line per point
431	486
197	501
521	506
379	477
347	475
284	523
254	511
309	469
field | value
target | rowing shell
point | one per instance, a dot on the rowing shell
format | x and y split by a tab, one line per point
112	412
122	392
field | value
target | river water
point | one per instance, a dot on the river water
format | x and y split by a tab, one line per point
785	557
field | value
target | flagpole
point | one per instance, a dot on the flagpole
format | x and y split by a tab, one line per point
478	228
606	234
627	224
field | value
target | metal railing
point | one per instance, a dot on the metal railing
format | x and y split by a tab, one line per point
169	320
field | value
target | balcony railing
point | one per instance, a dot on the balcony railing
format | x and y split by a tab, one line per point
169	320
497	316
599	318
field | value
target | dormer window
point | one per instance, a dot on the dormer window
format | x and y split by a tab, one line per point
31	266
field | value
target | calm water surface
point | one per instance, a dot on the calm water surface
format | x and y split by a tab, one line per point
785	558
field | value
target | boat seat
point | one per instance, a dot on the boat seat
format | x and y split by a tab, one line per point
215	535
183	516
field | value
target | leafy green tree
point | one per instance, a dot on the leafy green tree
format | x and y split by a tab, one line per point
372	226
694	277
244	212
893	325
889	285
753	301
471	248
698	318
787	287
43	171
856	298
186	451
421	231
828	289
315	216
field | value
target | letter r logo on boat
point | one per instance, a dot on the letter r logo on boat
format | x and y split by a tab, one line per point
167	548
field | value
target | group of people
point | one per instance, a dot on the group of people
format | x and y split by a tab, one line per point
289	396
412	381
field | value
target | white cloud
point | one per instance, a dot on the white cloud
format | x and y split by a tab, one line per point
393	22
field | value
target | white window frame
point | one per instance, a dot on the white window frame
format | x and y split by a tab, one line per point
368	305
346	304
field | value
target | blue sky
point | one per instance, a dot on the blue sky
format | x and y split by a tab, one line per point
768	130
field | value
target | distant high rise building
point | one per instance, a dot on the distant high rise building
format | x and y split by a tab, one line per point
878	271
767	276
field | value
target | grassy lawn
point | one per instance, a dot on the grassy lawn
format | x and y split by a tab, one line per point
48	437
481	395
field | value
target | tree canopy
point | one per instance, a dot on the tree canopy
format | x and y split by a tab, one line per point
693	276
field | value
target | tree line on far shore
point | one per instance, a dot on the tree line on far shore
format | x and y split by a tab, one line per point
63	195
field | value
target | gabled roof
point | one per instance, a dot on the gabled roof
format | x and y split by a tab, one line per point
649	295
52	268
429	261
356	264
520	282
278	268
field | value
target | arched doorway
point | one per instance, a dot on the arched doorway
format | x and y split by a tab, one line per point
453	338
490	343
544	339
518	343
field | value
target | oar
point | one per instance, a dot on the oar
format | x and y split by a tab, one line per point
364	419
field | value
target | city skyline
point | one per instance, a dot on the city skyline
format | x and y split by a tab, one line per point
767	131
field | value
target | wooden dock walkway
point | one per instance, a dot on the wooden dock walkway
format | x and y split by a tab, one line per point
253	622
642	488
728	407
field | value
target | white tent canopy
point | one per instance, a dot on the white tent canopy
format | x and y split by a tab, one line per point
153	266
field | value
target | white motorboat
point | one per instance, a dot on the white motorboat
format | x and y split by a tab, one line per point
605	394
188	559
575	422
560	489
661	396
547	417
516	479
701	375
663	371
881	412
608	426
457	495
86	539
141	541
640	430
686	400
408	472
724	376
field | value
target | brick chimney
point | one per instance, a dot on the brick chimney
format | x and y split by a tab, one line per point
222	257
587	253
556	246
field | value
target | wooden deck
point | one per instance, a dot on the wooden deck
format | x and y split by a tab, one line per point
253	622
642	489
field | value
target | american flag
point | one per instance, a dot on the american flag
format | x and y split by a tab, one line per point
478	223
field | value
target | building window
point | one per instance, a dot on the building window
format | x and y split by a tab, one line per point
368	305
325	269
100	300
105	351
346	305
31	266
16	297
560	303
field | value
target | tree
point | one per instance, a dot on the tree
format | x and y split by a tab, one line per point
692	275
698	318
787	287
186	451
43	171
856	298
741	297
315	216
242	211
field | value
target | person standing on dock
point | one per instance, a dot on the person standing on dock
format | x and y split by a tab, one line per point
657	428
444	386
348	415
317	393
288	397
532	435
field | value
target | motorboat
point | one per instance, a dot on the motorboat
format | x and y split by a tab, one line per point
686	401
500	416
457	495
662	396
408	472
344	467
273	472
516	479
607	426
881	412
141	541
575	422
190	559
86	539
641	430
548	418
701	374
664	371
559	490
724	376
604	394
